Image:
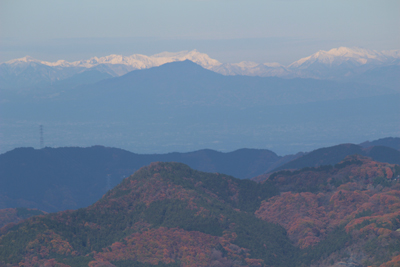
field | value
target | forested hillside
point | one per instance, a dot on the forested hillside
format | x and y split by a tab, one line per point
357	200
14	215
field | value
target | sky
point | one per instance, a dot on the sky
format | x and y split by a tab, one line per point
228	30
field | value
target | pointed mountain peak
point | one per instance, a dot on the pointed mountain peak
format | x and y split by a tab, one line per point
186	68
200	58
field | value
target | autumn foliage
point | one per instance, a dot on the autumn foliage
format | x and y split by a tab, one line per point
167	214
363	197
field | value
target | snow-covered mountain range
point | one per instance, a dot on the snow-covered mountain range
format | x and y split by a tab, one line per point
132	62
336	64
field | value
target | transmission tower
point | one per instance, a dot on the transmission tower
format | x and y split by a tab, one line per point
41	136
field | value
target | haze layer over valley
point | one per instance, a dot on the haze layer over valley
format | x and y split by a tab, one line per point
166	102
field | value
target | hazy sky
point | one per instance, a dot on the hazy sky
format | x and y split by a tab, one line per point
228	30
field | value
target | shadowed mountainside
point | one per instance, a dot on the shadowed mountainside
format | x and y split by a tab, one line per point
393	142
54	179
335	154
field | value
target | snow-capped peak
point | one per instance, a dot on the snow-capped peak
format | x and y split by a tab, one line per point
352	52
337	56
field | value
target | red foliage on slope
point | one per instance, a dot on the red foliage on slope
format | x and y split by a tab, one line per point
308	217
165	245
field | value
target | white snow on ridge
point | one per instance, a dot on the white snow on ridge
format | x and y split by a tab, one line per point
26	59
337	56
137	61
305	67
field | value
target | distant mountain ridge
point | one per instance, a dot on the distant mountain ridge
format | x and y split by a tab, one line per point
338	64
54	179
393	142
335	154
382	150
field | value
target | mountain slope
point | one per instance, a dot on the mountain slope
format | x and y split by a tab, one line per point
185	83
323	156
15	215
357	199
393	142
335	154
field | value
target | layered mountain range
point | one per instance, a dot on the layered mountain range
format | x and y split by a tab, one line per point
55	179
330	207
344	64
